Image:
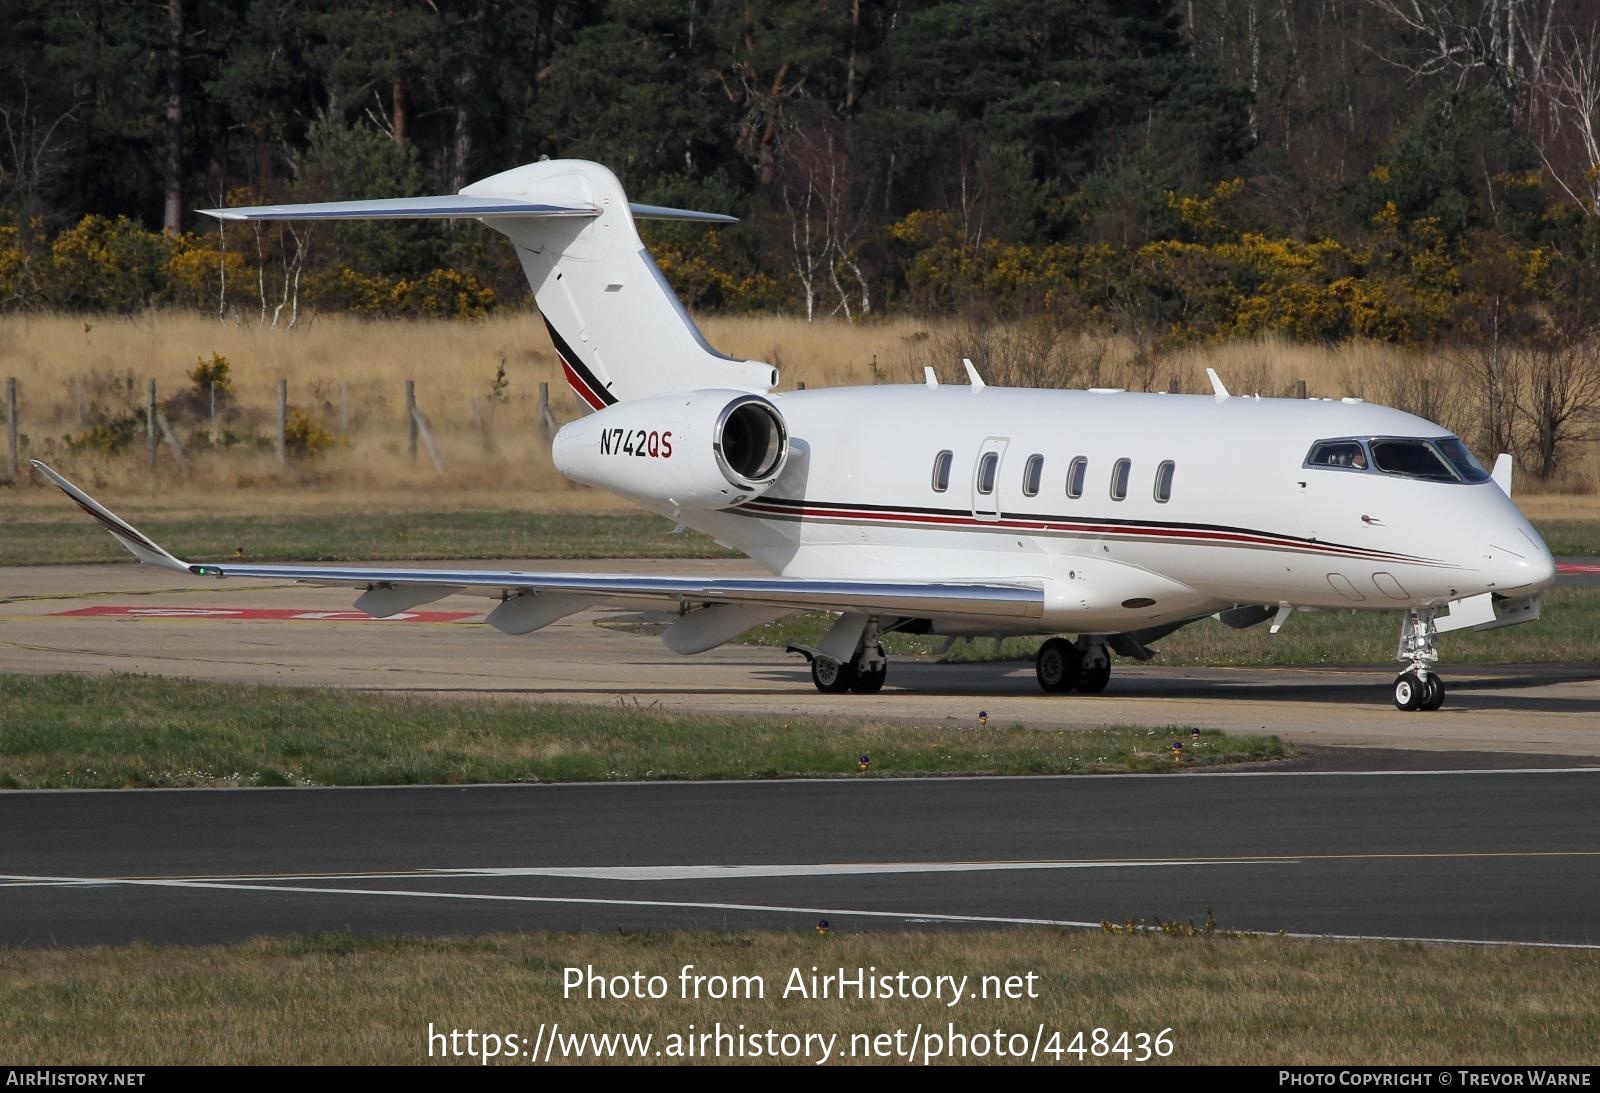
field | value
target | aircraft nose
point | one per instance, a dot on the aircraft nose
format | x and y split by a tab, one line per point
1517	560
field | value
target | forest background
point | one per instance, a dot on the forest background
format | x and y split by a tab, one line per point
1071	193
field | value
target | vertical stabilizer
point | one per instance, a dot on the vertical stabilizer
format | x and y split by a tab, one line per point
620	329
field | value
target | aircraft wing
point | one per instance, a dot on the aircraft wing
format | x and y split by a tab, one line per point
714	610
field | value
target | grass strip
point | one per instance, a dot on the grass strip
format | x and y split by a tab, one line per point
123	730
1226	999
374	536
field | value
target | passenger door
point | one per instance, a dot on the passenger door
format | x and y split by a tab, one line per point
986	478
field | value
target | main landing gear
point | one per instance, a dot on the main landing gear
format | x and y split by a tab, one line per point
864	673
1418	688
860	674
1066	666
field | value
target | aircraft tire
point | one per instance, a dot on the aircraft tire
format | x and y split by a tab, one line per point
1095	677
1410	691
1434	696
831	677
867	682
1059	666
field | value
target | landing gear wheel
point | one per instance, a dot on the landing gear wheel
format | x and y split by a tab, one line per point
1059	666
869	681
1095	677
1434	698
1411	691
831	677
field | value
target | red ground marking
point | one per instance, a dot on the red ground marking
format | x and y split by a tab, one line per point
1577	567
228	614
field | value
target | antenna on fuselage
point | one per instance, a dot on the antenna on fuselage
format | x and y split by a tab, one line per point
1217	387
972	375
928	377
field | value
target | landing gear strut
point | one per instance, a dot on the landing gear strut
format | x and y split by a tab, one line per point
1063	666
864	673
1418	688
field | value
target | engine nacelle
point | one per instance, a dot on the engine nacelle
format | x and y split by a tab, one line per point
700	450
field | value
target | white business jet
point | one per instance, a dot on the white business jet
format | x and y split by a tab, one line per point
951	508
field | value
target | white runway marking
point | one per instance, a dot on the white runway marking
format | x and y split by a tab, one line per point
743	872
657	872
824	912
1152	778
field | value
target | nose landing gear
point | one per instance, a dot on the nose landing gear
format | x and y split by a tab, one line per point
1418	688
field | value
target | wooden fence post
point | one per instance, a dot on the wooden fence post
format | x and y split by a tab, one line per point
1172	386
150	423
283	423
411	418
481	421
1299	388
11	427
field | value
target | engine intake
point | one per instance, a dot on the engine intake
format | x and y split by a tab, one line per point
752	442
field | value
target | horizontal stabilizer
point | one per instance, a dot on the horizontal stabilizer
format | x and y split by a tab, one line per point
661	212
450	207
446	207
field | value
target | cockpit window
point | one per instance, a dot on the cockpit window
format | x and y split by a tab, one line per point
1348	454
1444	459
1461	460
1411	458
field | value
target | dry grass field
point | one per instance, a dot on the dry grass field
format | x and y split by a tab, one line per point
349	376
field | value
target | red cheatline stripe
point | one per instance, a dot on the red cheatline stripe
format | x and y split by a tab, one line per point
951	520
582	389
229	614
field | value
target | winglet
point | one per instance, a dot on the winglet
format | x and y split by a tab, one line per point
1217	387
1502	472
138	545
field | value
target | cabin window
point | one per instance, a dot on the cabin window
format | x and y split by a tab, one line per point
1346	454
1031	474
1164	481
1411	459
941	471
1077	471
1119	479
986	470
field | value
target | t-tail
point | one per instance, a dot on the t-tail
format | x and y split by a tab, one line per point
619	329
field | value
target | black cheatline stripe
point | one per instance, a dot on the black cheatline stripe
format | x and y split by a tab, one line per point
1174	525
919	510
575	363
117	528
1280	540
